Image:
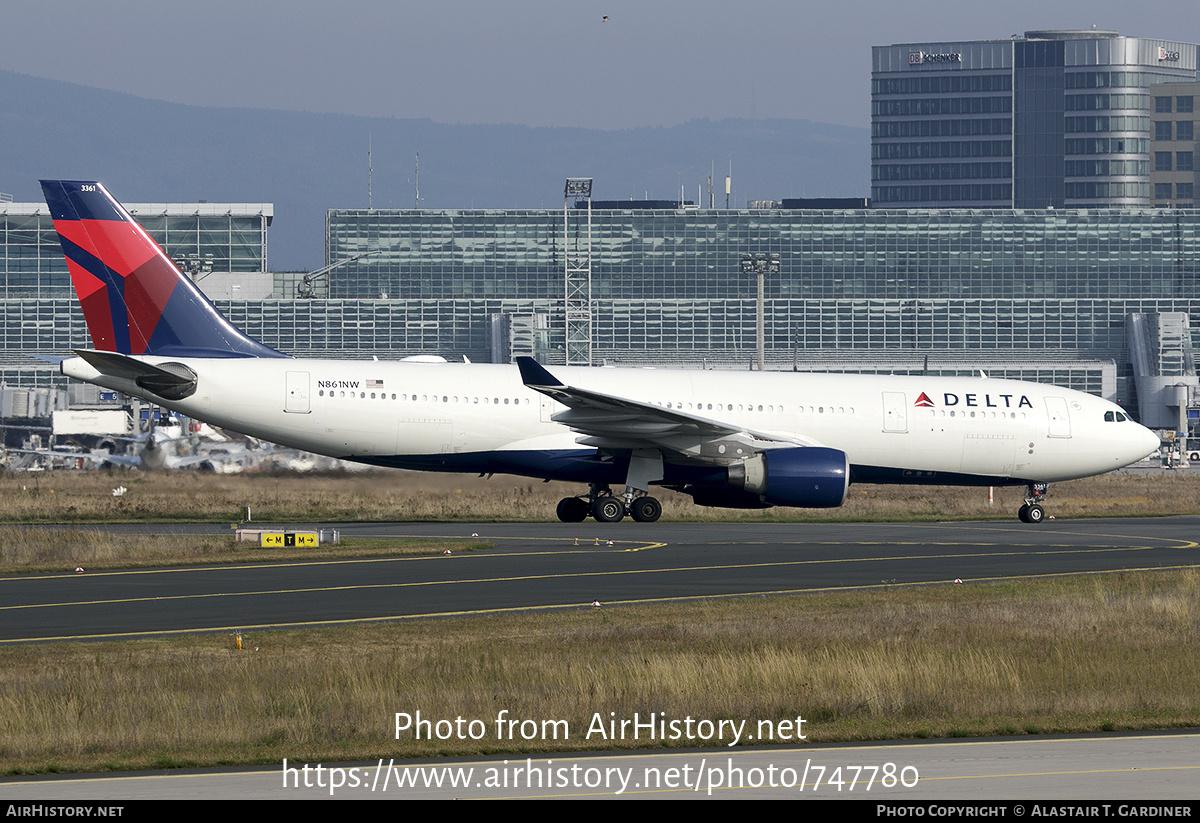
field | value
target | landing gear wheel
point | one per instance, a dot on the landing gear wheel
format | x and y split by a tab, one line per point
572	509
1031	513
609	509
646	510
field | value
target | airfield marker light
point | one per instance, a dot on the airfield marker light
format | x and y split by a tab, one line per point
239	642
79	570
595	604
447	551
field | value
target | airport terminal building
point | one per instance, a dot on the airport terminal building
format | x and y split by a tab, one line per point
1047	295
223	246
1030	294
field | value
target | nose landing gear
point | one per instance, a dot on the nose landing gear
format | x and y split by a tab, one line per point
1032	511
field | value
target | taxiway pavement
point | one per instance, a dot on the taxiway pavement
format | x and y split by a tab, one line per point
536	566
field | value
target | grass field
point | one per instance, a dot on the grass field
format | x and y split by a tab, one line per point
1068	655
56	549
1099	653
75	497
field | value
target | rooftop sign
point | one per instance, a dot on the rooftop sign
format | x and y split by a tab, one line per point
918	58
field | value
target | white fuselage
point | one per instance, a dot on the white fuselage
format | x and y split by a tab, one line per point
370	410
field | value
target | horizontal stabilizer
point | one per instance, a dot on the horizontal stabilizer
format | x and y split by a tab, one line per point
171	381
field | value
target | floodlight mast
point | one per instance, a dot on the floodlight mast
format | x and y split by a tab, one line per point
760	265
577	275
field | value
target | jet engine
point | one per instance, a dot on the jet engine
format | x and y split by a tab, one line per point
810	477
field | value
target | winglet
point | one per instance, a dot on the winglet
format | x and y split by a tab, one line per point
534	376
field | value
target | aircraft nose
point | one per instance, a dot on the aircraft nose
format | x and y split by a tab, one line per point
1145	442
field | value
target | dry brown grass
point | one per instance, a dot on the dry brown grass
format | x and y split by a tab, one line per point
67	496
26	549
1083	654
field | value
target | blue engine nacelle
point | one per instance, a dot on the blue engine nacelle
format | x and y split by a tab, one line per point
808	477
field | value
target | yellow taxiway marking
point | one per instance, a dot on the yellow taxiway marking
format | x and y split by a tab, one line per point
640	545
526	608
554	576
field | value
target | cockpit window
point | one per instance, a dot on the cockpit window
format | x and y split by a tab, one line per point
1114	417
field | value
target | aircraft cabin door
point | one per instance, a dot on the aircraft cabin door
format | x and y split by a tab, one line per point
1058	416
296	393
895	412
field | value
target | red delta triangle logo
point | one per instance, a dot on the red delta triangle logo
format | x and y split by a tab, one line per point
923	401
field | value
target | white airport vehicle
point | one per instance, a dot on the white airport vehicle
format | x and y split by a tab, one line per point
734	439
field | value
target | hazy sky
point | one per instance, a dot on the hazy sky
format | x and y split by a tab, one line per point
539	62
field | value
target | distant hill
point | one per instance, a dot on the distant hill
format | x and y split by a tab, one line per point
152	151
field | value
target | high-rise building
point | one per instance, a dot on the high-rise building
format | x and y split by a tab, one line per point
1051	119
1173	145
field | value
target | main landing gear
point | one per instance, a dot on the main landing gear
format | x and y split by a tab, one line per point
645	467
1032	511
607	507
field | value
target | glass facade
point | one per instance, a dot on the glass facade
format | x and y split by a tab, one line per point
1027	294
1066	115
984	286
221	237
643	256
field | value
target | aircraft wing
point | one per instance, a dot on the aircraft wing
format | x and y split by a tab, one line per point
613	422
93	456
128	460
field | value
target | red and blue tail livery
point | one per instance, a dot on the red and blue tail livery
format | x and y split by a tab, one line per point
134	299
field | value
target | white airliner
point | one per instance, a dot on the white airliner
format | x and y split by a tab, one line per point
735	439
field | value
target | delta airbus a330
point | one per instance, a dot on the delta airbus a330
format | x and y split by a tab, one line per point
735	439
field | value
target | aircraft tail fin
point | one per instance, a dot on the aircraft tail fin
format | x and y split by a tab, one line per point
134	299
